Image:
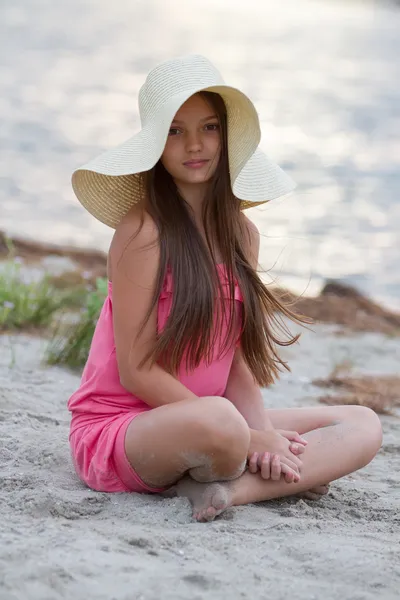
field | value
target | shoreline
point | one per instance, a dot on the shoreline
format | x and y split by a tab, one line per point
337	303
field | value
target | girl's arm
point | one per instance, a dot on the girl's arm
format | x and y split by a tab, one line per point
133	266
246	395
241	389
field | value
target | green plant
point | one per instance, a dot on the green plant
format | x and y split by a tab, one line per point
70	344
27	303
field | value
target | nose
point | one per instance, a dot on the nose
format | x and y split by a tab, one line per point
193	142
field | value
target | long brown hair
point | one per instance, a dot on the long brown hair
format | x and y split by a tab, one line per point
195	319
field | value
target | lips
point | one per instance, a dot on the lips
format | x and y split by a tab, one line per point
195	163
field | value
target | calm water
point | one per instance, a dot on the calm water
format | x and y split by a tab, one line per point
323	75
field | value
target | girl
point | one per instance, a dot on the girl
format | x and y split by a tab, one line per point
170	395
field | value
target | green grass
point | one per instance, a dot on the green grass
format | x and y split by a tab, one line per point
70	344
28	305
68	316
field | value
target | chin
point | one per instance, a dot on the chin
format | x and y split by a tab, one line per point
198	177
199	180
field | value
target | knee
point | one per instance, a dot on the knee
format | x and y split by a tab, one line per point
226	429
373	427
369	421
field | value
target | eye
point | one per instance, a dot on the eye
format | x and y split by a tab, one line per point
211	127
173	131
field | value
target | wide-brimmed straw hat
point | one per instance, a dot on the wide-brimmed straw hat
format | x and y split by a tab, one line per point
109	185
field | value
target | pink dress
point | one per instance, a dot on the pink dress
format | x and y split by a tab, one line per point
102	408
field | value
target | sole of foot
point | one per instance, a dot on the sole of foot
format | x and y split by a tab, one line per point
208	500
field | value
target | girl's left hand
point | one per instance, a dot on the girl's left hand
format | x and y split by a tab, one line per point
298	443
270	465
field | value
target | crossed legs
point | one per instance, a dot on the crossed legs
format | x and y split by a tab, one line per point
201	445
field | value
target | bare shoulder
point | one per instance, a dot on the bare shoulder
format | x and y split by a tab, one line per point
137	233
252	240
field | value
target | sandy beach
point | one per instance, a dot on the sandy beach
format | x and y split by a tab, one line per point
324	77
61	540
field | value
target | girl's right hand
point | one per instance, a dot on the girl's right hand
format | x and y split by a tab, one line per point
270	467
270	454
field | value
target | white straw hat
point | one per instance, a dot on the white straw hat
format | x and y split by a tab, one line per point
109	185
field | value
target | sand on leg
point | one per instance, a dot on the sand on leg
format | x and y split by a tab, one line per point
205	437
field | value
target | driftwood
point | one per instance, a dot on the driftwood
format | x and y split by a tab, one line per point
344	305
381	393
91	261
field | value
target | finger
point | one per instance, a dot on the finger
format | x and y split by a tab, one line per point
289	476
266	466
301	440
290	473
287	473
296	437
276	467
293	436
293	465
253	463
297	448
294	461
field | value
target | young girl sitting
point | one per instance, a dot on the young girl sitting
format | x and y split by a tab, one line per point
170	395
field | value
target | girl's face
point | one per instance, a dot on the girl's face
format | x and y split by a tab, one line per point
191	154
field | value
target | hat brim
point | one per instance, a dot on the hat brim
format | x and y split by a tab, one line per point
109	185
261	180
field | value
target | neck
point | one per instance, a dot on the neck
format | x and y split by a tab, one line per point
194	195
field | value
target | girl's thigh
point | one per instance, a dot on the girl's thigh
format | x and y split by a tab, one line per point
307	419
164	443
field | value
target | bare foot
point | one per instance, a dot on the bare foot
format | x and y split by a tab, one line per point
315	493
208	500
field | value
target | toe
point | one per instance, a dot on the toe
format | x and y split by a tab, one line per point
316	492
205	516
321	489
311	495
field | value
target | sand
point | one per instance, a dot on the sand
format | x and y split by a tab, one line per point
61	540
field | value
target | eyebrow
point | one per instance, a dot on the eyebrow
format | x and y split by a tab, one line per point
201	120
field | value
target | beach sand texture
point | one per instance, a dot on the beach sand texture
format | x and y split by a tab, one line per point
61	540
70	73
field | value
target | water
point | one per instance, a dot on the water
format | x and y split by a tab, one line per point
324	77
